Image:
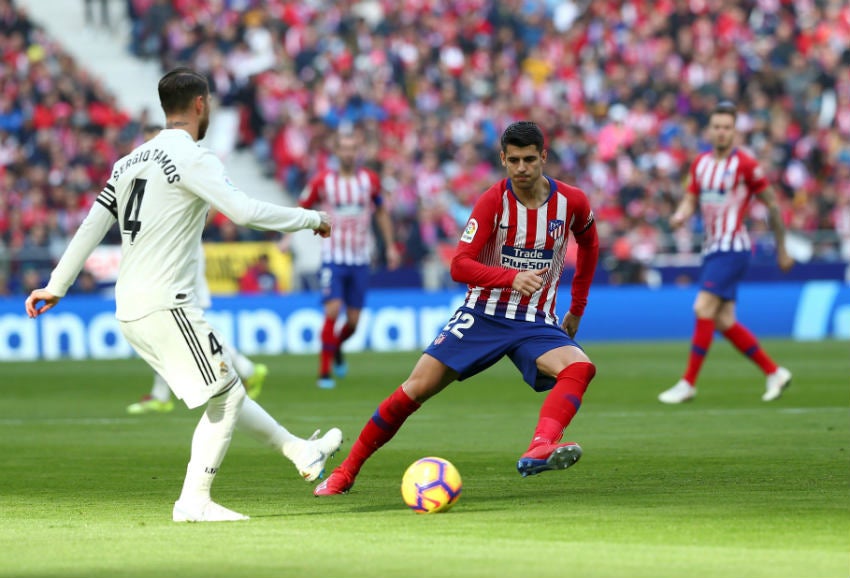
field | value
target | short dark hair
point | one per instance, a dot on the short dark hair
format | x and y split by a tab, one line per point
179	87
522	134
725	107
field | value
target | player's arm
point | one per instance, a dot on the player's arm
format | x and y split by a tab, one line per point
100	219
465	266
686	209
206	178
587	256
774	220
382	217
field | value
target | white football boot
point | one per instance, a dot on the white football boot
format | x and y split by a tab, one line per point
776	384
310	455
679	393
209	512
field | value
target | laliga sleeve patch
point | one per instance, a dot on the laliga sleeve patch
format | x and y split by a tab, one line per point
469	232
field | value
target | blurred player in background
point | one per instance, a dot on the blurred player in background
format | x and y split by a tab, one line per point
160	195
512	256
253	375
723	182
350	194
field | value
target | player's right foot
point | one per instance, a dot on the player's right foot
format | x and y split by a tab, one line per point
209	512
339	482
312	454
149	404
679	393
325	382
340	366
548	457
254	384
776	384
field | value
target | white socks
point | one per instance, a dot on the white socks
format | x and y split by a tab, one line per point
210	442
257	423
160	390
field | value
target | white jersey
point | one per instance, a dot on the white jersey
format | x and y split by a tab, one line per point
160	194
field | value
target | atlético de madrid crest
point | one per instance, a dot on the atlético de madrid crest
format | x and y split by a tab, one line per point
556	228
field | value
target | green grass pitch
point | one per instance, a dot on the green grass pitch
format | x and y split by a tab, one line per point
725	486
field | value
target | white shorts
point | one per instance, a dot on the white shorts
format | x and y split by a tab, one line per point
185	350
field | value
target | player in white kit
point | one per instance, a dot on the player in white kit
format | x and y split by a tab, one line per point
160	194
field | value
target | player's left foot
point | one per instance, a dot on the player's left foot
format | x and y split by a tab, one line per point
339	482
548	457
209	512
679	393
254	384
310	458
149	404
325	382
340	366
776	384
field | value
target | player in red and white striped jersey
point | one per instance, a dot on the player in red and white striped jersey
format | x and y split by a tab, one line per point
350	195
724	181
511	255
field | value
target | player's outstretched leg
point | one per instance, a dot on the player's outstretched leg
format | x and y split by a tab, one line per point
380	429
309	456
778	378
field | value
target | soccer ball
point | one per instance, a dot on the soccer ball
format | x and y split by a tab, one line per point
431	485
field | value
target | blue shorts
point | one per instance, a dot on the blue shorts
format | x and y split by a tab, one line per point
471	342
346	282
721	273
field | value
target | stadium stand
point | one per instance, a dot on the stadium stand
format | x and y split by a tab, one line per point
622	90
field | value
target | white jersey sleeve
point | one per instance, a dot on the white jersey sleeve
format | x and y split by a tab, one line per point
209	181
89	235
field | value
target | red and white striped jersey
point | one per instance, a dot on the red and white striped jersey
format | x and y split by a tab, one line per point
505	236
724	188
350	201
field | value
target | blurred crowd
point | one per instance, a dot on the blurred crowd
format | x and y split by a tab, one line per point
622	90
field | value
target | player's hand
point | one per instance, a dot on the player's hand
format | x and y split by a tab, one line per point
324	228
570	324
285	244
36	297
676	221
785	261
393	257
529	282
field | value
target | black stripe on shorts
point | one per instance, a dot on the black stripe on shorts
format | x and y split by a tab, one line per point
194	345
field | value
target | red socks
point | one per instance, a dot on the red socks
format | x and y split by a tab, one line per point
747	344
331	343
700	342
328	347
346	332
384	424
562	403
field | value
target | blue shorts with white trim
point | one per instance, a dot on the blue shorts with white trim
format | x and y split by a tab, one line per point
471	342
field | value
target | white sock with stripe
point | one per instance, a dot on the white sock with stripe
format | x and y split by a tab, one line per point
209	444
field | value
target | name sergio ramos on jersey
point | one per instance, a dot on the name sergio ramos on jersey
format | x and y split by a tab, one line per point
158	156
